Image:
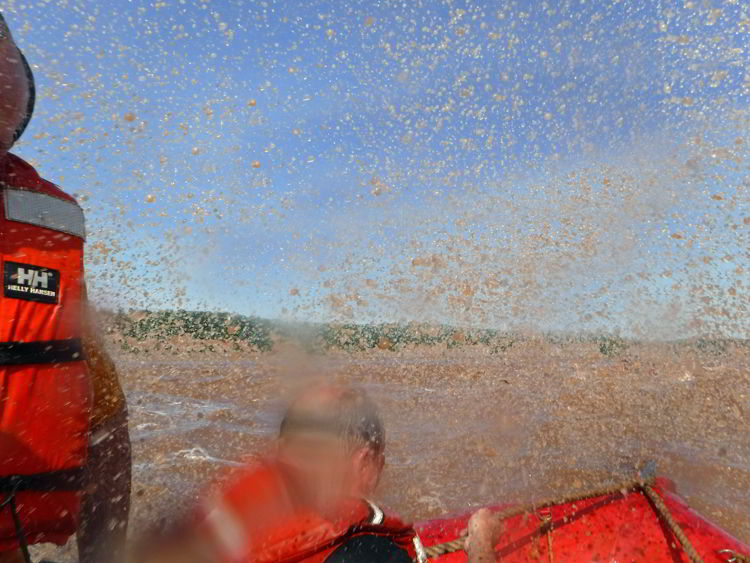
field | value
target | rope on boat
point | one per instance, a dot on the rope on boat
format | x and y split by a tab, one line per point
666	515
643	485
459	543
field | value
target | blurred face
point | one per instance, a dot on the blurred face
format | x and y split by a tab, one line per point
14	90
324	471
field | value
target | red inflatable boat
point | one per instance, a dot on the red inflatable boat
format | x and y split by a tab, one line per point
639	523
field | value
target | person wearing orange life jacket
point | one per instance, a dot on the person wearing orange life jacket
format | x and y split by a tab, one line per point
307	501
57	437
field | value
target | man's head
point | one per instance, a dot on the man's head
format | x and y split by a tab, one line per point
331	443
16	90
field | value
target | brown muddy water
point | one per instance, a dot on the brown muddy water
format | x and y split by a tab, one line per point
464	427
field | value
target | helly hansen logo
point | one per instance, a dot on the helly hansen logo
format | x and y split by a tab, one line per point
30	282
32	277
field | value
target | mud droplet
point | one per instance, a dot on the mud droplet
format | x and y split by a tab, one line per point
129	117
150	198
384	343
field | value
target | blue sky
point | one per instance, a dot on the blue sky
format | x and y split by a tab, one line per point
508	164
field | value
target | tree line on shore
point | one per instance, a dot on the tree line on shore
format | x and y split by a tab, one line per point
262	334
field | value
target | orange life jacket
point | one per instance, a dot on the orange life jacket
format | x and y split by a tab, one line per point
45	392
251	521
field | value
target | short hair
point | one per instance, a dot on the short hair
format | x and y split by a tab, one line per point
346	412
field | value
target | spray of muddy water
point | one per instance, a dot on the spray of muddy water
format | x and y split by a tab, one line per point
551	169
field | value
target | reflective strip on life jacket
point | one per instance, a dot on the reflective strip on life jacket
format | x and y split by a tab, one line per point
41	352
419	550
377	515
44	210
227	531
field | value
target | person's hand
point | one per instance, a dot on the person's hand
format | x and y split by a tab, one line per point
484	529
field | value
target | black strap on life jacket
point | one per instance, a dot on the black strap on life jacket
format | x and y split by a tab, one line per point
10	486
23	544
51	481
41	352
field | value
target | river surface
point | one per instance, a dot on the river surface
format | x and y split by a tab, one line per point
464	427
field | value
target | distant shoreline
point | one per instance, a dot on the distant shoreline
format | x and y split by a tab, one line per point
202	332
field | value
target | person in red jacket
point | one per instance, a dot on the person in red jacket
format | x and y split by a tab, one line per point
308	500
64	446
